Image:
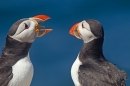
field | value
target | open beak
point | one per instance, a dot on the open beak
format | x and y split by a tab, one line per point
41	30
74	31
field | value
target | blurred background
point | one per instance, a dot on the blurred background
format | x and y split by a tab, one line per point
53	54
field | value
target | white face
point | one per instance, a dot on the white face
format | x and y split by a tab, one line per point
85	32
25	32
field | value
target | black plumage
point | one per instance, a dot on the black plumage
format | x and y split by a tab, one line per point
95	69
11	53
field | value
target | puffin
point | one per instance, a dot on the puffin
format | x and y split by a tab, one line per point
16	68
91	68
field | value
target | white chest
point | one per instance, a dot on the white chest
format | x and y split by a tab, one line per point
22	73
74	71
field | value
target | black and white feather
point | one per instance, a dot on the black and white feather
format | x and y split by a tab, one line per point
91	67
16	68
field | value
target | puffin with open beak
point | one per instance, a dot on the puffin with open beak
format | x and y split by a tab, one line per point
16	68
91	67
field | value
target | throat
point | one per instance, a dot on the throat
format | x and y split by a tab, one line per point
14	51
15	47
92	50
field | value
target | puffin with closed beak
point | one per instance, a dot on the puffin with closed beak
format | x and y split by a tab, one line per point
16	68
91	67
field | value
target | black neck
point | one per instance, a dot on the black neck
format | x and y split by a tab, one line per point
16	48
92	50
13	51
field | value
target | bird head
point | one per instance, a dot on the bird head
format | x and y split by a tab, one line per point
27	29
87	30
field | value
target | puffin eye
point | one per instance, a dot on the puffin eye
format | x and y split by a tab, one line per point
83	25
26	26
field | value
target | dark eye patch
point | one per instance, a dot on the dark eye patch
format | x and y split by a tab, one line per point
26	26
83	26
14	27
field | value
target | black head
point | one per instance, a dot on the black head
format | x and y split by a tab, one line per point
15	26
27	29
96	28
88	30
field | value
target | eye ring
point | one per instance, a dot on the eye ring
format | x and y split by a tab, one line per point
26	26
83	26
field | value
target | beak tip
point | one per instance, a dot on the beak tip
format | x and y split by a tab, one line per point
42	17
73	29
71	33
48	30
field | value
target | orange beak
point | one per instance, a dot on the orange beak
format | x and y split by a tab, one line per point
42	17
74	31
73	28
41	30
